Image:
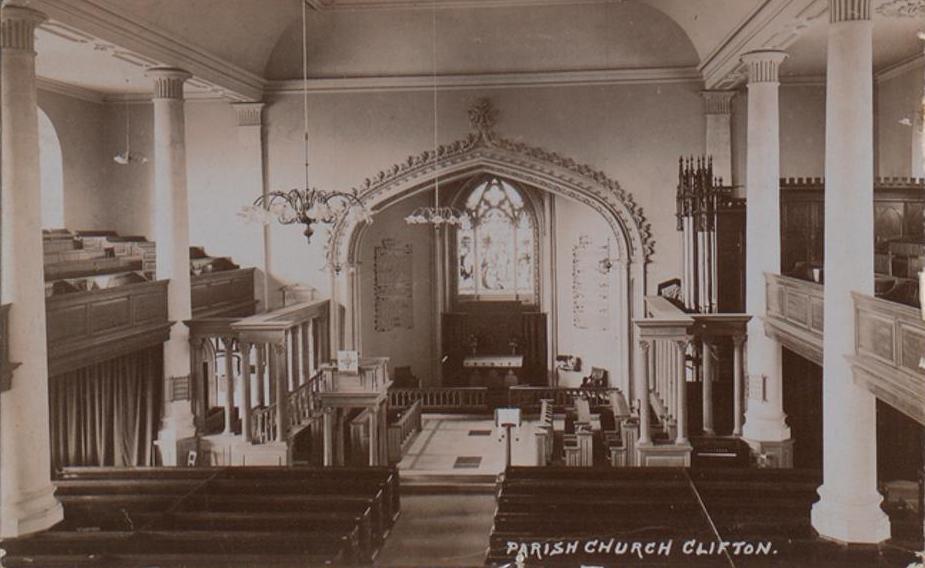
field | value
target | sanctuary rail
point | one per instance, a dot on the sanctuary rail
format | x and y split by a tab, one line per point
441	399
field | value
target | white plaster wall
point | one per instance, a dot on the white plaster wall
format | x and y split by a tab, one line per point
802	133
899	99
80	129
221	183
595	347
129	188
633	133
404	347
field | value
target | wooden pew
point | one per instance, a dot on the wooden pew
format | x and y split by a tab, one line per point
313	547
358	503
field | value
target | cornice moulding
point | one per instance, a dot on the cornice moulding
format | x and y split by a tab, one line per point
68	90
900	68
802	81
332	5
101	19
494	80
776	24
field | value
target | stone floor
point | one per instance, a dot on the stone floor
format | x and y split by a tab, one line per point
440	530
466	445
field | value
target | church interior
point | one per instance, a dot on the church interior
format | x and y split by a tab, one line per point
462	283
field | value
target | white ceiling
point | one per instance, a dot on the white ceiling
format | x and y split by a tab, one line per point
255	38
895	41
497	40
68	56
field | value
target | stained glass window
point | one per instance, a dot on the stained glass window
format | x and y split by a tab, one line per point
496	249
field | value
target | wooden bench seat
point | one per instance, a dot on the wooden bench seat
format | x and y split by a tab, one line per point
192	516
133	487
321	544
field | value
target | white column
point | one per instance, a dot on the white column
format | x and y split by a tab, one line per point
645	420
250	136
738	343
228	343
849	505
246	407
171	232
765	420
708	375
328	426
27	502
374	436
681	393
718	111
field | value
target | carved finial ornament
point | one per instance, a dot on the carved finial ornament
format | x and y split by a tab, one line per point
482	117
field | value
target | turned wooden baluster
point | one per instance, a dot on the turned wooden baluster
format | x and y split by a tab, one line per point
229	384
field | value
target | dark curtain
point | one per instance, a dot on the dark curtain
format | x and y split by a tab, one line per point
534	347
107	413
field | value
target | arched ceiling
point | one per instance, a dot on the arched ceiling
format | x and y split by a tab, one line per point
235	47
242	32
707	22
500	39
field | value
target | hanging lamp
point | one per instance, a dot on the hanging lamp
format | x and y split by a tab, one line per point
307	205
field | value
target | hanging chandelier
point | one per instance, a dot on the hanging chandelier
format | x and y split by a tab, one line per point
436	215
307	206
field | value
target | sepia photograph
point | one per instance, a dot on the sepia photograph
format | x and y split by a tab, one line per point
462	283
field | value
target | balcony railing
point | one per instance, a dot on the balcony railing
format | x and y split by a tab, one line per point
101	324
795	315
889	351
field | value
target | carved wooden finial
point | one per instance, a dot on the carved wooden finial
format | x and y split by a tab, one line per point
482	116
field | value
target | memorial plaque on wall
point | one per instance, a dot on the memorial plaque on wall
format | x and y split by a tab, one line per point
393	286
590	286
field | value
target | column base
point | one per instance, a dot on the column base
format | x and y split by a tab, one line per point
848	519
760	427
773	454
172	437
36	511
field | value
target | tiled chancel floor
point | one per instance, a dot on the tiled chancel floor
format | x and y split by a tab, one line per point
445	438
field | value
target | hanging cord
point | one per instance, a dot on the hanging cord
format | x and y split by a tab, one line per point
703	508
433	64
128	129
305	91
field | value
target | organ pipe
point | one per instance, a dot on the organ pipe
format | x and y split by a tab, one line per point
699	197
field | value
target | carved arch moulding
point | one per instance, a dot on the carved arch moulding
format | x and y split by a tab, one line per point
483	151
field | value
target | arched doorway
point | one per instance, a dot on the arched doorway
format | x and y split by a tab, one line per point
51	164
483	153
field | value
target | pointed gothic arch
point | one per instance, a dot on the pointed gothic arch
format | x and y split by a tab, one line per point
484	152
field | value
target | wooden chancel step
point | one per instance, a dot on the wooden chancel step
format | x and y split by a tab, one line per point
433	483
250	516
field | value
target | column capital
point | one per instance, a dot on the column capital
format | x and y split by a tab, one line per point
645	344
168	82
763	65
738	340
249	114
17	28
849	11
718	102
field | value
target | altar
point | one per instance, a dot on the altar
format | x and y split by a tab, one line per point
494	370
